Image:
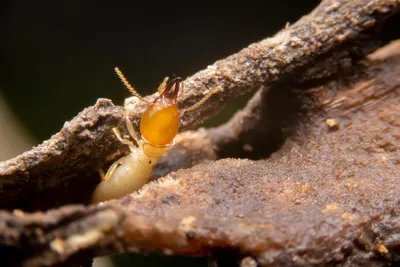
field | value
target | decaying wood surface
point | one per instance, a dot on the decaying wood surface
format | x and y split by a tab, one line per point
331	178
328	40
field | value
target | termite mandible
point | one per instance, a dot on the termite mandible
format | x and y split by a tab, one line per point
158	127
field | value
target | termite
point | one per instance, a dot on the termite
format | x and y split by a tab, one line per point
158	127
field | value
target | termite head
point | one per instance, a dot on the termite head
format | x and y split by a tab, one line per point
160	121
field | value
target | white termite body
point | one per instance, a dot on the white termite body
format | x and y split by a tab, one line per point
131	174
159	126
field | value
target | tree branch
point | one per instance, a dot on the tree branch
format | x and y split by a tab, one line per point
323	43
335	183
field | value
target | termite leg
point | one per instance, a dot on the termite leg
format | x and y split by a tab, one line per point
122	140
132	146
130	127
162	85
111	170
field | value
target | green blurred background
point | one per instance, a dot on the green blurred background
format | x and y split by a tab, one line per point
57	57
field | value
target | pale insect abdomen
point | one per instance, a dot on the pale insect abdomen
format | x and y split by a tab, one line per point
132	173
158	128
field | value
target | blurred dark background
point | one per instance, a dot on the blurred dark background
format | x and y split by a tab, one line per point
57	57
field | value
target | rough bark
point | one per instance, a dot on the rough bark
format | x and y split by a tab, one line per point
335	182
334	179
328	40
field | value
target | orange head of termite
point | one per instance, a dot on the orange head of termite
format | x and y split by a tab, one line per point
160	121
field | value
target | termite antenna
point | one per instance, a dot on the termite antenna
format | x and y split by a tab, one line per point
201	102
129	86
